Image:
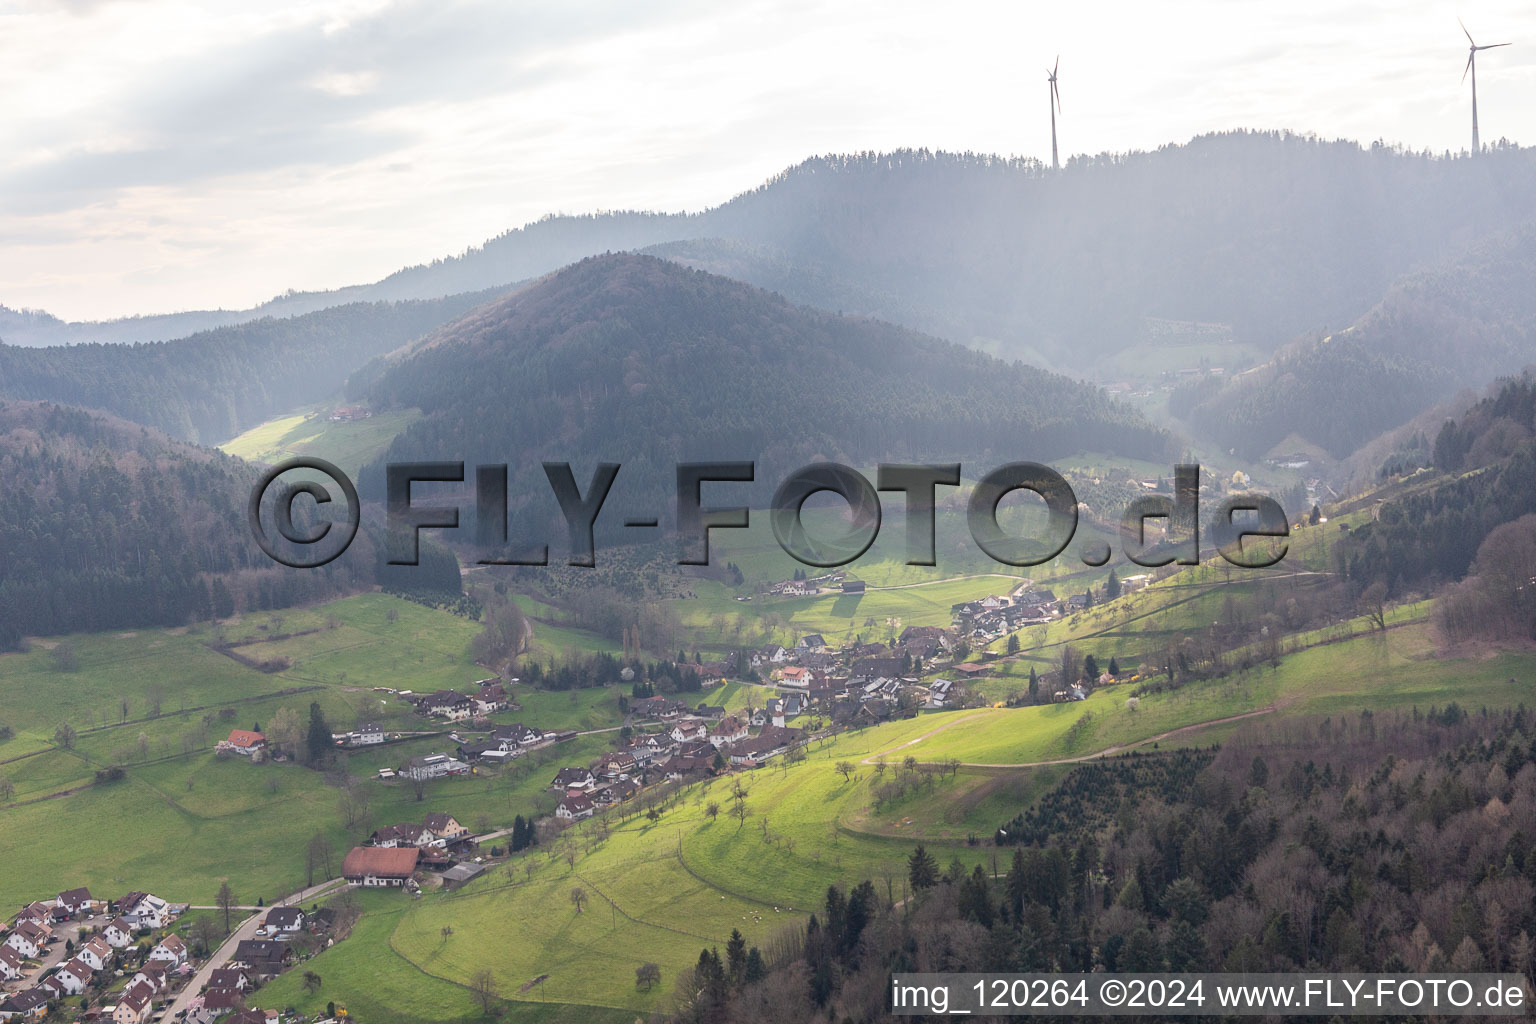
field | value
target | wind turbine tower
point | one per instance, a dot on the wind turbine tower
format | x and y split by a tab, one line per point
1471	67
1055	105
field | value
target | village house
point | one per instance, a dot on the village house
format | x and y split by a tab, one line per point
28	939
769	743
230	979
37	912
795	676
10	964
282	922
449	704
773	654
518	735
145	910
574	807
170	950
245	743
617	765
119	933
577	779
811	643
28	1004
96	952
391	837
433	766
155	974
75	902
368	734
70	979
728	731
444	827
687	731
135	1005
374	867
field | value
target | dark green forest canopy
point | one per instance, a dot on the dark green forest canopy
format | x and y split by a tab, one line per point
105	524
635	360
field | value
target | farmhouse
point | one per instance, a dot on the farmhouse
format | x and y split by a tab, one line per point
393	836
618	765
244	742
373	866
444	827
449	704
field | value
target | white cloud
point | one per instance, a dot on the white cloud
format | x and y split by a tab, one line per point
166	155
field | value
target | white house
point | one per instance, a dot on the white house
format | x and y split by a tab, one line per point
27	939
135	1006
170	950
684	732
575	807
68	980
368	734
730	730
96	952
149	911
433	766
119	933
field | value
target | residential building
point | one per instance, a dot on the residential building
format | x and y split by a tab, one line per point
575	806
372	866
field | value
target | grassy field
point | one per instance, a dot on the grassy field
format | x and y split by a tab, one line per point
348	445
235	820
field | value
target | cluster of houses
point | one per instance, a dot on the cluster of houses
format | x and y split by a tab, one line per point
52	944
456	706
997	615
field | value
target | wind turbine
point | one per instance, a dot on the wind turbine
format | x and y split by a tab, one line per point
1472	67
1055	105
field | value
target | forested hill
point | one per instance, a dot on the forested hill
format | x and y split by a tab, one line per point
1459	325
105	524
636	360
210	386
1272	233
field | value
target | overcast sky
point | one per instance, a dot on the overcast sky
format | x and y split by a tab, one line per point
159	156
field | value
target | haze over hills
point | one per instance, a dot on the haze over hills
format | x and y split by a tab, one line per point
212	385
1272	233
633	359
1458	325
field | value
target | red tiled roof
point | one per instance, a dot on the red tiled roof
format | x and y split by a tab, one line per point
399	861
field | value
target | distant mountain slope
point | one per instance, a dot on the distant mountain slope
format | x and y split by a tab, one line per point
637	360
210	386
105	524
1272	233
1435	331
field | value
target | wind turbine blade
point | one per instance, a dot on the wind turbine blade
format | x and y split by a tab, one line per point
1056	92
1464	29
1470	58
1492	46
1058	64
